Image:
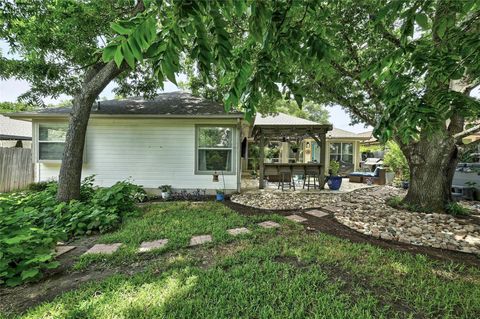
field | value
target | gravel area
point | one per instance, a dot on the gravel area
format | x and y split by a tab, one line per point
366	211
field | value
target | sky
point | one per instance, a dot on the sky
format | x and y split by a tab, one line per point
11	89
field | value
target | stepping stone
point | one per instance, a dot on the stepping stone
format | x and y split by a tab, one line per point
269	224
199	240
238	231
296	218
103	249
331	208
151	245
316	213
60	250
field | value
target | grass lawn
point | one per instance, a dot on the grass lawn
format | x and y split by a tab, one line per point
177	222
285	273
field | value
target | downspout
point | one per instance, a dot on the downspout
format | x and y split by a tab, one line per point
239	155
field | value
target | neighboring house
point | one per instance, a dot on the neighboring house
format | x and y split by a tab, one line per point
175	139
15	133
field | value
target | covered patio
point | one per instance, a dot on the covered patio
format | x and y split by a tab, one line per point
289	130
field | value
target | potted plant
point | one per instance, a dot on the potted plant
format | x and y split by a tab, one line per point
334	180
405	178
166	191
220	195
272	153
389	175
295	147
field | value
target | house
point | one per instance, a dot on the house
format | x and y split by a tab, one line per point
175	139
15	133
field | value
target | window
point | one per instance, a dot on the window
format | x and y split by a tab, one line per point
51	141
214	149
342	153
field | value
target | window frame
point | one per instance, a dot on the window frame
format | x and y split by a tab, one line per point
36	132
341	151
233	148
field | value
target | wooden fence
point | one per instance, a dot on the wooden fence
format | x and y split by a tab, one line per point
16	169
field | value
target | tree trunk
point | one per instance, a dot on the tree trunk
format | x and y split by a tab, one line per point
432	162
96	79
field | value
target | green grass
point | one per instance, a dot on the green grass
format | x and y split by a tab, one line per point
285	273
177	222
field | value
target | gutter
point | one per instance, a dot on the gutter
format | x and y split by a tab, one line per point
30	116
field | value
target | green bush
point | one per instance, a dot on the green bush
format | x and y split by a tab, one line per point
25	250
32	222
397	162
456	209
334	167
394	201
40	186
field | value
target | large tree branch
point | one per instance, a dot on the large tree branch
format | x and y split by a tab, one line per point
468	147
466	133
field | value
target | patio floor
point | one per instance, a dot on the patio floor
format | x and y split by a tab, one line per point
248	184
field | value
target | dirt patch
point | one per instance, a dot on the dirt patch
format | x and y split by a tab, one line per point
330	226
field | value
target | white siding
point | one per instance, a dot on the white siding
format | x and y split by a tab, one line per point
150	152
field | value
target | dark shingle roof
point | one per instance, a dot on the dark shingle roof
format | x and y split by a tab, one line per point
165	104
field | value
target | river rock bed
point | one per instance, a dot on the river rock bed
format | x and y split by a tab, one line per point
278	200
366	211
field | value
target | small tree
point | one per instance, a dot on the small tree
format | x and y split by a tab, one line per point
395	159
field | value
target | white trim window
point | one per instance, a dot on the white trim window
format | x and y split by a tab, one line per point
215	149
51	141
341	152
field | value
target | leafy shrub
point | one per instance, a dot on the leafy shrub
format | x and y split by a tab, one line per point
456	209
395	159
165	188
86	188
334	168
40	186
394	201
25	250
32	222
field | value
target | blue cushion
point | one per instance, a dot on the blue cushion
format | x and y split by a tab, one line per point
367	174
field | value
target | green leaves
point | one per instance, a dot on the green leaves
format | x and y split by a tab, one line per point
441	28
32	223
232	98
422	20
118	56
136	36
120	29
259	19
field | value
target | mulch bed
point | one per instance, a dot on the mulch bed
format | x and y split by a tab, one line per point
329	225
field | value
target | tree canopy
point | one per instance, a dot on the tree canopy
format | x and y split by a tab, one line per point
406	67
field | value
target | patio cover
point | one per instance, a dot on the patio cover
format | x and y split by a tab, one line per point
277	127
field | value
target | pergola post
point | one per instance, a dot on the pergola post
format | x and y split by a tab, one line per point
246	155
261	175
323	152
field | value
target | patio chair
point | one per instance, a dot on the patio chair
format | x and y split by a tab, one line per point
311	172
376	177
286	178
